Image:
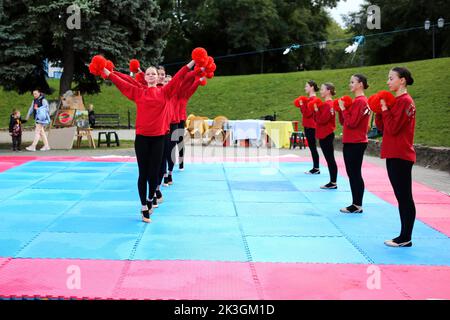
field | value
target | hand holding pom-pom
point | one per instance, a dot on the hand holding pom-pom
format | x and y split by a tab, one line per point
387	97
315	103
374	103
134	65
200	56
97	65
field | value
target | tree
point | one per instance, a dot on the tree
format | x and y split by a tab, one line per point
232	27
408	45
32	31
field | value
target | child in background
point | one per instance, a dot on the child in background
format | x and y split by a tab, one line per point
15	129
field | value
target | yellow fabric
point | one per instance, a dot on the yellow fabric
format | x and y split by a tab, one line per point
279	132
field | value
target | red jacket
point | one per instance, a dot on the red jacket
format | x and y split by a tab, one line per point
325	120
190	85
152	115
355	121
397	125
308	115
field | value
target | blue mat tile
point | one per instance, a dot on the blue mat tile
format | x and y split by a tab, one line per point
198	195
423	252
196	208
80	246
113	195
24	208
50	195
118	185
14	184
304	250
305	226
106	209
313	185
255	174
192	225
262	186
98	224
269	196
98	165
9	193
122	176
259	210
25	223
385	224
51	164
201	175
340	198
197	185
212	247
67	184
12	241
26	176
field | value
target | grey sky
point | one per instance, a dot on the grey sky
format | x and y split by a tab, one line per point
344	7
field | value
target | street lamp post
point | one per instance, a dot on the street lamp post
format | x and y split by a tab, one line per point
428	25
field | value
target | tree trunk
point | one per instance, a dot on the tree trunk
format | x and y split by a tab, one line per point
68	65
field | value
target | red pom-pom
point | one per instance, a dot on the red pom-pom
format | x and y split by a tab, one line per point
209	65
199	54
203	81
374	103
302	99
97	65
297	102
200	71
134	65
109	65
336	105
387	97
140	77
348	101
210	75
316	101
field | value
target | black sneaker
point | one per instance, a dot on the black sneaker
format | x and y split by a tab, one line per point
146	215
396	244
329	185
313	171
352	209
181	166
159	196
155	202
166	182
169	179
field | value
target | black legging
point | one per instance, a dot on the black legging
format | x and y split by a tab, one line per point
163	167
310	134
327	147
172	143
399	172
181	126
149	154
353	158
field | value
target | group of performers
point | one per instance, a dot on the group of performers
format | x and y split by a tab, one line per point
395	118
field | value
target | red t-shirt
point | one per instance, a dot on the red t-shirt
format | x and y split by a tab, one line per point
325	119
397	125
308	115
152	115
355	121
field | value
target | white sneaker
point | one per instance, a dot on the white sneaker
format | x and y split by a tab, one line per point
30	148
45	149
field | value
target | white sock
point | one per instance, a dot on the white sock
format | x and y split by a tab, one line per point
144	208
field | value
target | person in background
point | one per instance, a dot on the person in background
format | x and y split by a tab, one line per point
91	115
41	112
15	129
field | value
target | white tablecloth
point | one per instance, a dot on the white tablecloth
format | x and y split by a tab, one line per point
245	129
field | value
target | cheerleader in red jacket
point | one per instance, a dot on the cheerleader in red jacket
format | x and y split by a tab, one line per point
397	125
151	126
355	123
325	118
309	125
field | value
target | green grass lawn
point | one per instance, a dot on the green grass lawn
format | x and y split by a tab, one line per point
253	96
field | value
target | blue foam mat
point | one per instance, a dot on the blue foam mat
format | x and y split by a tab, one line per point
105	209
196	208
423	252
12	241
24	208
216	247
289	226
274	209
304	249
80	246
262	186
25	223
269	196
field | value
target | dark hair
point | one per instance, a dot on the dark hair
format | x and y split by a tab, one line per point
404	73
330	87
362	79
161	68
313	84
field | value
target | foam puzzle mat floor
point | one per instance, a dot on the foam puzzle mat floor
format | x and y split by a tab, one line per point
240	230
